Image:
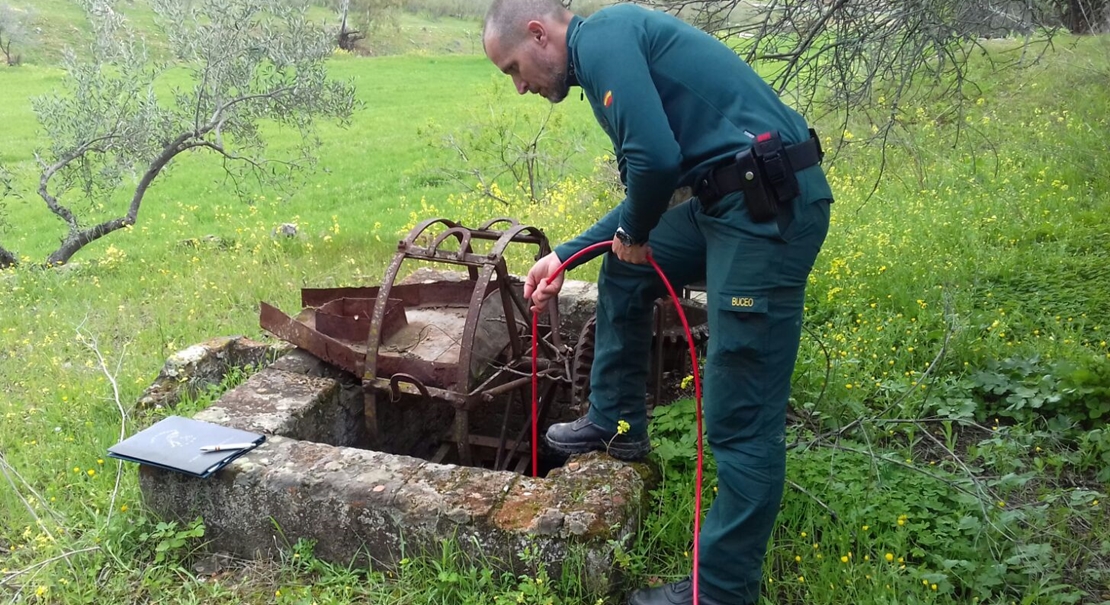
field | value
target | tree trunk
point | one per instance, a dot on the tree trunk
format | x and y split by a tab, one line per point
7	259
347	38
78	239
1084	16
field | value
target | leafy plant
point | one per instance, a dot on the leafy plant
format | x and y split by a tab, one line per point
674	437
171	542
1017	388
1029	388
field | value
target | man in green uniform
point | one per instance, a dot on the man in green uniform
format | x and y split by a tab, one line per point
683	110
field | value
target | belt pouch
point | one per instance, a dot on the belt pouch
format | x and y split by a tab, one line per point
761	208
775	167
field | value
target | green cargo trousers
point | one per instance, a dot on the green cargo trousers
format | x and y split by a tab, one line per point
756	276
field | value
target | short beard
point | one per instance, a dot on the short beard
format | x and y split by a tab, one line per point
560	90
559	93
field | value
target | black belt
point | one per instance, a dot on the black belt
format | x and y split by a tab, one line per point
727	178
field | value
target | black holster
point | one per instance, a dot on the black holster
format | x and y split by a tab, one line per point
766	174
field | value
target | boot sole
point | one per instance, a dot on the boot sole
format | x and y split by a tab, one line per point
628	452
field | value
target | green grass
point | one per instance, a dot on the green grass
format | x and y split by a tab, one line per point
432	28
421	33
997	242
56	25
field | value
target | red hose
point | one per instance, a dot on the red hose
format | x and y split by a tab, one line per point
697	390
535	354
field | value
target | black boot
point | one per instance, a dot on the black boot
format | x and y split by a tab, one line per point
583	436
675	593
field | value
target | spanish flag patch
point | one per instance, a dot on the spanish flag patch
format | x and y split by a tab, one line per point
608	98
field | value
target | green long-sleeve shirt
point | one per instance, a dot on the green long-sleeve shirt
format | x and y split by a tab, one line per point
675	101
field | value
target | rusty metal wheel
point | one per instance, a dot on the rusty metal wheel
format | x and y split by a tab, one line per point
669	348
581	364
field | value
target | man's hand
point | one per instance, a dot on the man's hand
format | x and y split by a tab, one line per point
538	286
636	254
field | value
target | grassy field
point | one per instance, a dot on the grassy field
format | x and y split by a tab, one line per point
959	311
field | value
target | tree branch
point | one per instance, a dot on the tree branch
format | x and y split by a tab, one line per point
66	555
256	164
815	30
168	153
93	346
79	238
50	170
217	116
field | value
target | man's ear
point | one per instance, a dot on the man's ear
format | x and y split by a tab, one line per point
537	32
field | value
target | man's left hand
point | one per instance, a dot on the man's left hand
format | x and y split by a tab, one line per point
636	254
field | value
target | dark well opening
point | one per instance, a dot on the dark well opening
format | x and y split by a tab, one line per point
408	413
425	428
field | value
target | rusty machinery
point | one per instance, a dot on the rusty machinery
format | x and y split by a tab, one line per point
465	342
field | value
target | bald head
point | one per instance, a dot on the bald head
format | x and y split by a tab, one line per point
507	20
527	40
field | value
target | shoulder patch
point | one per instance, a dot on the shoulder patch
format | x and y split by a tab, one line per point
608	98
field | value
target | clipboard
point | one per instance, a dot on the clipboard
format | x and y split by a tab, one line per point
175	444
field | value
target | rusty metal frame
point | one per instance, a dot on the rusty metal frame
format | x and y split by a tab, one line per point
431	380
487	271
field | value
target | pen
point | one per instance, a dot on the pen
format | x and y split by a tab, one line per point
225	446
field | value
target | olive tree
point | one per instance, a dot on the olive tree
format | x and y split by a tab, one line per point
359	18
113	127
13	32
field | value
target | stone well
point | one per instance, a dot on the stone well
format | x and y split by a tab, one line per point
315	479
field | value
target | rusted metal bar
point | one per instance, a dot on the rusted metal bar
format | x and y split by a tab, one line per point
542	402
466	349
489	394
374	335
657	356
456	400
441	453
462	435
325	347
398	379
503	435
491	442
507	308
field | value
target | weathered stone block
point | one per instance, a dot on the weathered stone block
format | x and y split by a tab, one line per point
204	365
359	504
277	402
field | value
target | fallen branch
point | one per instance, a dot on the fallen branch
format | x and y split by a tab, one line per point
92	345
8	468
832	513
19	494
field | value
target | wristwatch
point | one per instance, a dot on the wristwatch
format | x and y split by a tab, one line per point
625	238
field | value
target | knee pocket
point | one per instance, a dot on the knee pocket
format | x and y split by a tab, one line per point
740	336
